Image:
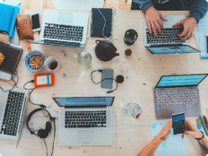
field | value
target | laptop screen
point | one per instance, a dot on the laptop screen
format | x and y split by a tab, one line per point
172	49
180	80
84	101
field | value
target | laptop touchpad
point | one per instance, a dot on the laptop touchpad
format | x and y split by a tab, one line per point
65	17
85	137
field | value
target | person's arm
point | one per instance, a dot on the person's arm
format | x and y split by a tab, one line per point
195	133
198	9
150	148
144	4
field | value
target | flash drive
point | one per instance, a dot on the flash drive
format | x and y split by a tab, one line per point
44	80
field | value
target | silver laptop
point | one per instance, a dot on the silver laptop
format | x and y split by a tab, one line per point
12	112
62	28
85	121
168	42
178	93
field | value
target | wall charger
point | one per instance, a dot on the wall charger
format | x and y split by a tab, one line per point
44	80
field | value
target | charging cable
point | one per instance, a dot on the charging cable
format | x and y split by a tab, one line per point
31	90
103	80
14	85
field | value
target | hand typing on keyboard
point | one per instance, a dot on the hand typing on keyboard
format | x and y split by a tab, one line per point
153	18
188	27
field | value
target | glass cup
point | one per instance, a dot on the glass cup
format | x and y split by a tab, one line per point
84	59
133	109
130	36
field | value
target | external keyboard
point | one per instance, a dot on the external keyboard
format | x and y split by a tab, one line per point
85	119
177	96
63	32
15	103
168	36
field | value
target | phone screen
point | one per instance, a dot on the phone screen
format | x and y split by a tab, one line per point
35	21
178	123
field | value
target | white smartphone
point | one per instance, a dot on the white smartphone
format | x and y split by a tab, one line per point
35	20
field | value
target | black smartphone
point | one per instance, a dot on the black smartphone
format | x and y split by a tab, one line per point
35	21
178	122
108	75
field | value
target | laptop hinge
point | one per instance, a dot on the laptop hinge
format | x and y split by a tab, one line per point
177	86
165	45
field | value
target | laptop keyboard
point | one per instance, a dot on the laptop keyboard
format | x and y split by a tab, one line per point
177	96
168	36
63	32
15	103
85	119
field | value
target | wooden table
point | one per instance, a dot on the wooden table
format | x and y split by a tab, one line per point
141	71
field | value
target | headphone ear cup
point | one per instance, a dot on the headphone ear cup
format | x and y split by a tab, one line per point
42	133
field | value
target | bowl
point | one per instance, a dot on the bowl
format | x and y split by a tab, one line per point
27	61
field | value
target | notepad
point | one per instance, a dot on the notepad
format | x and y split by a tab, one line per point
101	22
174	146
8	17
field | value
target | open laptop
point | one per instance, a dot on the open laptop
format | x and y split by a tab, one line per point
12	112
178	93
168	42
63	28
85	121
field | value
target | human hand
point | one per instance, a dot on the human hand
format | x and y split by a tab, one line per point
191	130
166	130
188	27
153	18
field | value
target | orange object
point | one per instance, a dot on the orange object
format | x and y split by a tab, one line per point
28	45
44	80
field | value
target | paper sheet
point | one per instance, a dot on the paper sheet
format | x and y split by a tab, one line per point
200	36
174	146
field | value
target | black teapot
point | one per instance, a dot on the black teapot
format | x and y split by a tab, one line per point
105	50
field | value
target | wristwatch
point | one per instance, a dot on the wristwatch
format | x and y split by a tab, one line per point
201	137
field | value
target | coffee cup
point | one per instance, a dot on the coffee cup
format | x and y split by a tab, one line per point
52	64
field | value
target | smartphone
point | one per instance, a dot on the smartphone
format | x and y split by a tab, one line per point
35	22
108	75
178	122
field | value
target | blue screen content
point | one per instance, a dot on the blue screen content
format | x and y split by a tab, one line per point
181	80
178	117
172	50
84	101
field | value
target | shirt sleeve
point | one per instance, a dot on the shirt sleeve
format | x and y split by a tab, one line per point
199	9
144	4
203	147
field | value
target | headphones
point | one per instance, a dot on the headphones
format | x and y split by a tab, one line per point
41	133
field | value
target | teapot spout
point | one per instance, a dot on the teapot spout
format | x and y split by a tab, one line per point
117	54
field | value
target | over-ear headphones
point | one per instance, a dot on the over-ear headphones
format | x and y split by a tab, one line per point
42	133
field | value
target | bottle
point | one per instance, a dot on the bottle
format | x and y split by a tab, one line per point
84	59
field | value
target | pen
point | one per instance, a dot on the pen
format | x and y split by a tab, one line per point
205	120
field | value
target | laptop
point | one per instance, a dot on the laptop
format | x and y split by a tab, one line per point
85	121
62	28
12	112
168	42
178	93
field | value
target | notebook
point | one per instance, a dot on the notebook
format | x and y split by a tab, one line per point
101	22
12	58
85	121
178	93
8	17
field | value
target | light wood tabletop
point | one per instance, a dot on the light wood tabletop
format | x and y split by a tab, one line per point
141	72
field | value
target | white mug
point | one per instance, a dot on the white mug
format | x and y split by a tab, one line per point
52	64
